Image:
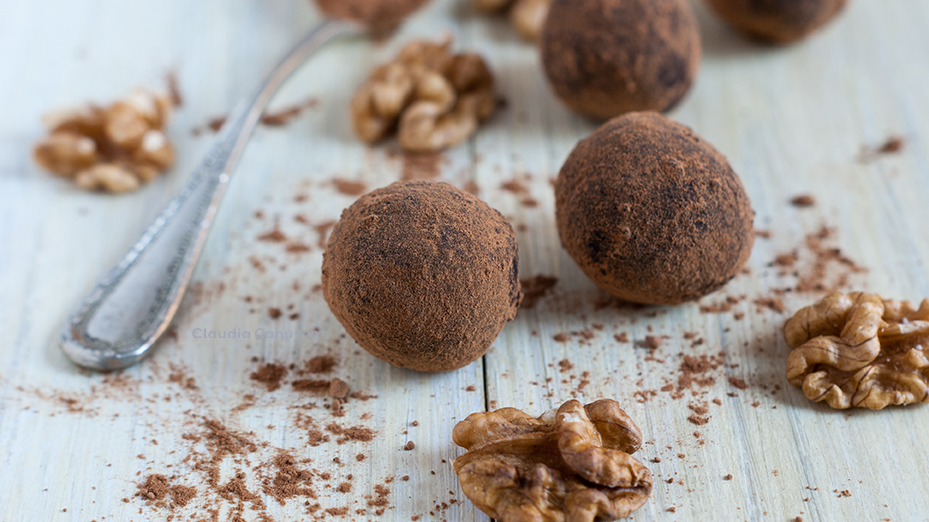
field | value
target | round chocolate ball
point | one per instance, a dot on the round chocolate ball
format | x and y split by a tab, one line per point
608	57
777	21
379	16
422	275
652	213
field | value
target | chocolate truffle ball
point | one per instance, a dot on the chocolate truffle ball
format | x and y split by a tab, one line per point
379	16
608	57
422	275
777	21
651	212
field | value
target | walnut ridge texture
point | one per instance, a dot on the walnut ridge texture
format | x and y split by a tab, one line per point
859	350
431	98
115	148
570	465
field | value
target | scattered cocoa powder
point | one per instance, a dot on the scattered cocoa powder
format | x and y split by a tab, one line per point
317	386
154	489
271	119
284	116
274	235
174	89
738	383
321	364
803	200
322	230
653	341
535	288
338	388
421	166
270	375
349	188
891	145
296	247
354	433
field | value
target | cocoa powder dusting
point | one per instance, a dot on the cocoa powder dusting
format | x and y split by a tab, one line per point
380	16
421	166
270	375
535	288
349	188
465	281
321	364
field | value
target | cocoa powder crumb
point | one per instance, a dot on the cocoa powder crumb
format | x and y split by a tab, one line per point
338	388
270	375
653	341
535	288
621	337
275	236
560	337
274	313
182	495
421	166
698	420
738	383
893	144
727	476
803	200
319	387
771	303
321	364
355	433
154	489
409	446
349	188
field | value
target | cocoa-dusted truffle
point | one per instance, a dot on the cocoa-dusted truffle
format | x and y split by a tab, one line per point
651	212
777	21
422	275
608	57
378	15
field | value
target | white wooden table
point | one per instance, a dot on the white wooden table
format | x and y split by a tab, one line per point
791	120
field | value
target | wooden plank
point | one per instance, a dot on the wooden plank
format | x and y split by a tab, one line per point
790	120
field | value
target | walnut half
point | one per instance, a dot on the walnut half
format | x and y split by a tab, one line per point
116	149
859	350
573	465
431	98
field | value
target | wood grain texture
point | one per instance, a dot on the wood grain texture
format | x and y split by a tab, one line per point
791	120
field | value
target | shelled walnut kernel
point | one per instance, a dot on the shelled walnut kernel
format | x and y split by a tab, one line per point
859	350
432	98
115	148
527	16
574	464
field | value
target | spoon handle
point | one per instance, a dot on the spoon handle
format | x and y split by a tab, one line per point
125	314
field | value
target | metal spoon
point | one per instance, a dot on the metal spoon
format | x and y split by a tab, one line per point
119	321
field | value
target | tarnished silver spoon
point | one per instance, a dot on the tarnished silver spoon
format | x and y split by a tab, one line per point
128	311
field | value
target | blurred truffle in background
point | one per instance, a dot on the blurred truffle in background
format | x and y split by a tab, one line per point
777	21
